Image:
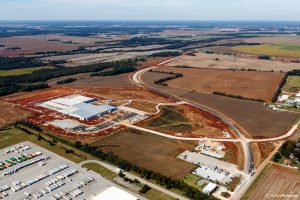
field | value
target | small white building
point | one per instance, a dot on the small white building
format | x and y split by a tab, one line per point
210	188
283	98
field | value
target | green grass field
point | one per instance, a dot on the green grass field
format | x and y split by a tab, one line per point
292	84
100	170
289	50
15	72
192	180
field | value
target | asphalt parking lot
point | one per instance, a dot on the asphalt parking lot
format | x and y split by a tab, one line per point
49	176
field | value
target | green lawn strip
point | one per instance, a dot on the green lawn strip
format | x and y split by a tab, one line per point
14	136
15	72
154	194
100	170
292	83
256	181
192	180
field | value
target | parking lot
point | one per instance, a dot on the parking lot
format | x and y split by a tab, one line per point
31	172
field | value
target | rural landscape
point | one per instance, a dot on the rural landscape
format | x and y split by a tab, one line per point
158	110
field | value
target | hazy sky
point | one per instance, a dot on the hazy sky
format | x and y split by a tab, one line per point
150	9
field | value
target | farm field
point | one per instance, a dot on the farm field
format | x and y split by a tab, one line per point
185	121
273	182
292	84
289	50
85	80
32	44
254	85
254	117
150	152
84	59
15	72
210	61
274	39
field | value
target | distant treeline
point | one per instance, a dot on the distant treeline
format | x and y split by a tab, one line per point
166	54
68	80
120	69
237	96
21	88
7	63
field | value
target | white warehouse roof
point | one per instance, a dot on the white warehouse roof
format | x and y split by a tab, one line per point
210	188
114	193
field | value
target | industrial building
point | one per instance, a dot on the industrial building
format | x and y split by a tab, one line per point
114	193
210	188
78	106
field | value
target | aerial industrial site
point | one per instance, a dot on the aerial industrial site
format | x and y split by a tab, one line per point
166	103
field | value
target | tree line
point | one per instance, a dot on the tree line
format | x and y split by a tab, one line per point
7	63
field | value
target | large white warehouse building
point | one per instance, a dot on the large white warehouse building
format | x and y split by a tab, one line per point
78	106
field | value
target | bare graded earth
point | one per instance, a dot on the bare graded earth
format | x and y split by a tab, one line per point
254	117
209	61
277	182
149	151
254	85
10	113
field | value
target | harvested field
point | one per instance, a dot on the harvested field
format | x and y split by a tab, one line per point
15	72
85	80
82	41
10	114
184	120
153	61
288	50
275	39
292	84
150	152
85	59
32	44
276	182
124	93
254	117
253	85
209	61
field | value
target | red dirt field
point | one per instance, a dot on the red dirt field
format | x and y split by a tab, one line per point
10	113
278	183
201	123
254	85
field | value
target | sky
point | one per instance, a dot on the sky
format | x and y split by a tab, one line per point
149	9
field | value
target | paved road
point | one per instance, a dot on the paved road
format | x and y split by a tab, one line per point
131	176
248	165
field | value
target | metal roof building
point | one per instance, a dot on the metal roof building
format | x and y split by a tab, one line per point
78	106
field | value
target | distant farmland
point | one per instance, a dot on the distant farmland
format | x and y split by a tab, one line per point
289	50
15	72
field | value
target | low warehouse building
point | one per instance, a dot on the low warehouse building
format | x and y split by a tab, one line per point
78	106
210	188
